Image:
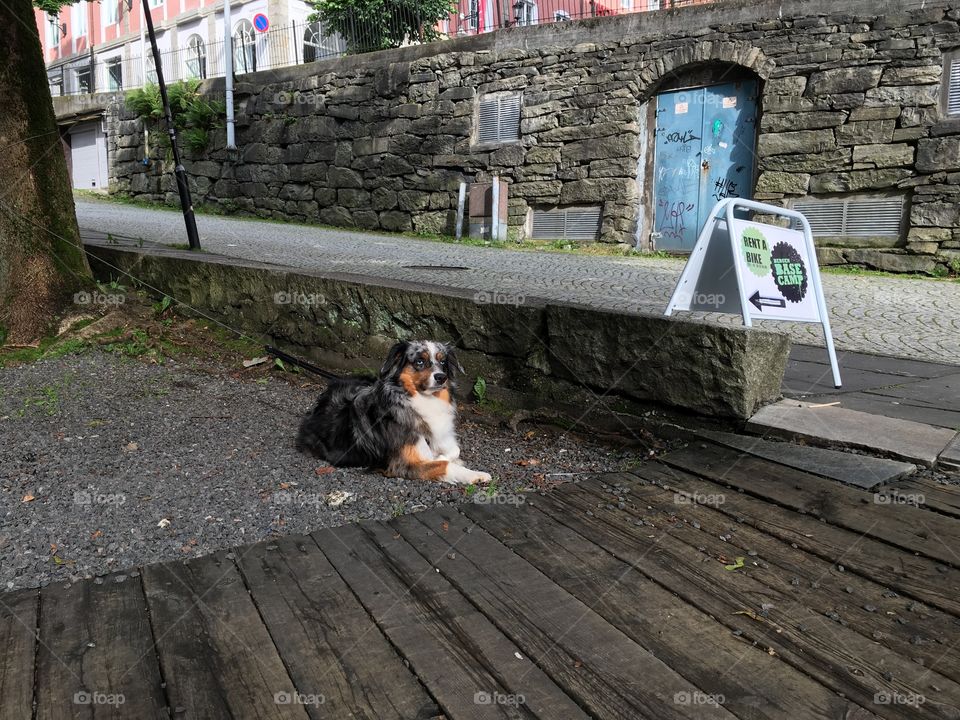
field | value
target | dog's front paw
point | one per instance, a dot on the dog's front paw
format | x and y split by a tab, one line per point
459	475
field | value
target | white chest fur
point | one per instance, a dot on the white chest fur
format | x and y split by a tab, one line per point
439	417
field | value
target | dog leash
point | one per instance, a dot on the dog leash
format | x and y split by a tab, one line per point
287	357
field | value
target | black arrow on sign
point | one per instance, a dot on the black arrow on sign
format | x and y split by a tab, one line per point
759	302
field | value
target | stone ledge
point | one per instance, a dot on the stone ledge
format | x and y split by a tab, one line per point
538	348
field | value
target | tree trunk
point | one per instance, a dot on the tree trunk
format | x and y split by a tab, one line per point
41	258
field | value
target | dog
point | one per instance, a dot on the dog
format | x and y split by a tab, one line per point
402	423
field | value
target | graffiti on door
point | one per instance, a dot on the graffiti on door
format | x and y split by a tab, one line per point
703	153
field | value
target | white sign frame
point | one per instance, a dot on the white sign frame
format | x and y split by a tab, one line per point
712	280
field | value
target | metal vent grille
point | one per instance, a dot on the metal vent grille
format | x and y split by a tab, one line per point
953	88
499	119
582	223
853	217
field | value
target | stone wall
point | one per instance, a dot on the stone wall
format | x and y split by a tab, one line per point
550	352
851	102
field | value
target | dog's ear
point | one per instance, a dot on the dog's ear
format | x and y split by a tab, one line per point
394	361
452	363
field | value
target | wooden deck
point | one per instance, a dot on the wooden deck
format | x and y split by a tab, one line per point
708	585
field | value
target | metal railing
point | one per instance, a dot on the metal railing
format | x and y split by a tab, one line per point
301	43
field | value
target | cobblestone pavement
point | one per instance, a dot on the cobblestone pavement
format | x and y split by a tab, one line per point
883	315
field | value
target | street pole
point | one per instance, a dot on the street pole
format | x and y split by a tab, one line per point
228	75
178	170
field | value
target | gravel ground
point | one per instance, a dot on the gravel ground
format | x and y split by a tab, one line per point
108	463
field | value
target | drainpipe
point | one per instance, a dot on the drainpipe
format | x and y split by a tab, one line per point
228	74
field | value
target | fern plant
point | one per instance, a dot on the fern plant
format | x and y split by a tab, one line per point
194	116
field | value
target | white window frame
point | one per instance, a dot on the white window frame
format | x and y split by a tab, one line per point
244	47
53	31
78	20
561	16
190	56
508	108
108	63
110	10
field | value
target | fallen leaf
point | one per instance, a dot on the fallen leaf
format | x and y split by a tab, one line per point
325	470
163	523
577	663
529	435
737	564
255	361
98	533
444	526
58	560
28	498
131	446
338	498
532	462
284	486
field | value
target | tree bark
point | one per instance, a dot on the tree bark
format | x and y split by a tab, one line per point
41	257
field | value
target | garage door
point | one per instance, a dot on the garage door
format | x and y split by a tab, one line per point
89	157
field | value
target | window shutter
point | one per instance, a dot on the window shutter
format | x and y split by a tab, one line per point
853	216
499	119
581	223
953	88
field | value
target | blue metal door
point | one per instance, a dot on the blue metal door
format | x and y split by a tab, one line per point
703	153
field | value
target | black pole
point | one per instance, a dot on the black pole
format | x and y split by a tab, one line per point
178	170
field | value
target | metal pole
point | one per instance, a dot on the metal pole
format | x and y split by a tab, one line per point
181	174
461	201
495	210
228	74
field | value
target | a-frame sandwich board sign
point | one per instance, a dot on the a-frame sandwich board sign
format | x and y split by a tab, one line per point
755	270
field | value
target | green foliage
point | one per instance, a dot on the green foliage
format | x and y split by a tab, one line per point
369	25
194	116
480	389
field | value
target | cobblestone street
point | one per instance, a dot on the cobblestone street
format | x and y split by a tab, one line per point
884	315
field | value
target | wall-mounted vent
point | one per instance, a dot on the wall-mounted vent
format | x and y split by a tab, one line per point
499	119
853	216
573	223
953	87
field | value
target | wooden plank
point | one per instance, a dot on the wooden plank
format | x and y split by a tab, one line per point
833	655
328	642
95	657
942	392
809	378
685	638
893	366
615	677
461	657
891	407
218	659
835	426
924	493
18	630
861	471
907	527
919	632
910	575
